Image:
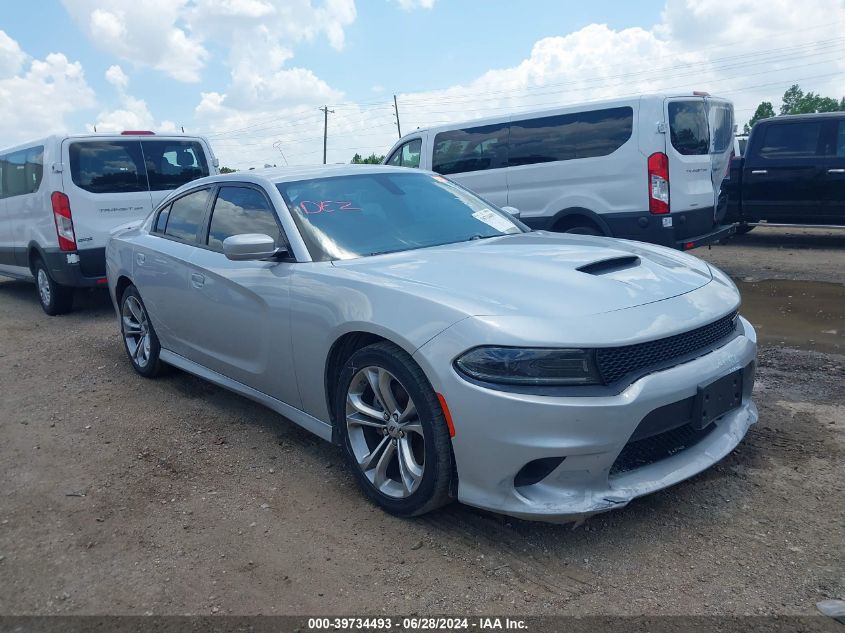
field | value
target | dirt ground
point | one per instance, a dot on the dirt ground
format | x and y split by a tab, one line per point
123	495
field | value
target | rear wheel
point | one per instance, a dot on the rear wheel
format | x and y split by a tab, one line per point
393	430
742	229
54	298
139	337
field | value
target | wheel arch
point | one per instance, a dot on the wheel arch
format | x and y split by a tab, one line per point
33	252
575	216
339	352
123	282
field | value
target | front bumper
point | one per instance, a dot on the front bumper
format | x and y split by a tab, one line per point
498	433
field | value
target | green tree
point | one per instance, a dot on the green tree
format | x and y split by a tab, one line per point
372	159
796	101
227	170
764	111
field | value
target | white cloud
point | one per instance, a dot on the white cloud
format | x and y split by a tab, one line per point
409	5
116	77
145	32
132	114
36	95
12	58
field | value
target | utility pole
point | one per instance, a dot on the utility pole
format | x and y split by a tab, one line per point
396	109
325	110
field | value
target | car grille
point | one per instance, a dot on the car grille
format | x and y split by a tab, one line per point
614	363
647	451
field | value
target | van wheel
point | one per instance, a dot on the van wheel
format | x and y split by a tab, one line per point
393	430
742	229
54	298
139	338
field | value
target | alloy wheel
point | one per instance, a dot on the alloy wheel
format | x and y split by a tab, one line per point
44	287
136	331
385	432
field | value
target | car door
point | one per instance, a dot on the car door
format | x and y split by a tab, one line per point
833	206
161	268
240	312
783	174
689	153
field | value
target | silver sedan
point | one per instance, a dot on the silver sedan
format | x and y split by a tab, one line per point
450	351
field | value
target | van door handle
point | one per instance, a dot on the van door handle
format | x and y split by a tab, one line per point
759	171
197	280
140	258
836	171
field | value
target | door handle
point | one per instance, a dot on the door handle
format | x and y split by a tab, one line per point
197	280
836	171
759	171
140	258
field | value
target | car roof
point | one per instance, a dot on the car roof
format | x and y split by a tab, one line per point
799	117
278	175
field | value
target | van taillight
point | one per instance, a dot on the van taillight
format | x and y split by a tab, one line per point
64	221
658	183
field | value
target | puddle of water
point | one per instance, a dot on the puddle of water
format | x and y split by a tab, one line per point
803	314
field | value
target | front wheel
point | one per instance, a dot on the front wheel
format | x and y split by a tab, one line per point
394	431
54	298
139	337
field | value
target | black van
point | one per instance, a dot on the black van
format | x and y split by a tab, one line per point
793	172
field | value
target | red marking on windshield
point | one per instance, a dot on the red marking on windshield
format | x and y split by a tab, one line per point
312	207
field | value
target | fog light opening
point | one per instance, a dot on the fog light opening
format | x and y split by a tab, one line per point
535	471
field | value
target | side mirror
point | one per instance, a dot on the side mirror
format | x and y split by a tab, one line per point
250	246
512	211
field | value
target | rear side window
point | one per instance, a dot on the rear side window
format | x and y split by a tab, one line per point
471	149
170	164
185	216
840	139
240	210
688	127
14	174
791	140
569	136
107	166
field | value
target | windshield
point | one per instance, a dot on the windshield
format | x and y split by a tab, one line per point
345	217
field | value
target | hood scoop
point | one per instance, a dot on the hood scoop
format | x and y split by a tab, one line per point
609	265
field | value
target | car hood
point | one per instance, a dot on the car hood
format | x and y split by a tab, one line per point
538	274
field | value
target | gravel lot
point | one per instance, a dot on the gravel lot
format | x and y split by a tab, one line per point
122	495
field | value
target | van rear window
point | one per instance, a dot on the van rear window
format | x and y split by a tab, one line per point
688	127
170	164
108	166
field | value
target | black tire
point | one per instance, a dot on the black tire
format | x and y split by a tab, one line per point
433	488
742	229
54	298
144	357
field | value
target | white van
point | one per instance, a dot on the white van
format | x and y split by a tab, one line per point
61	196
646	168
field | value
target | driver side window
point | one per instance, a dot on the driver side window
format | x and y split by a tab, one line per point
239	210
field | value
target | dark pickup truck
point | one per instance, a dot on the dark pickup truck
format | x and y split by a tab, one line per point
792	172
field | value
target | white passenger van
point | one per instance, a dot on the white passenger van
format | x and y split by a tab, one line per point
646	168
61	196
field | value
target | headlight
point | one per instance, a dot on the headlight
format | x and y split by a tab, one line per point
530	366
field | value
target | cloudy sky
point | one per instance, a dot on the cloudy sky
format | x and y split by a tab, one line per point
251	74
